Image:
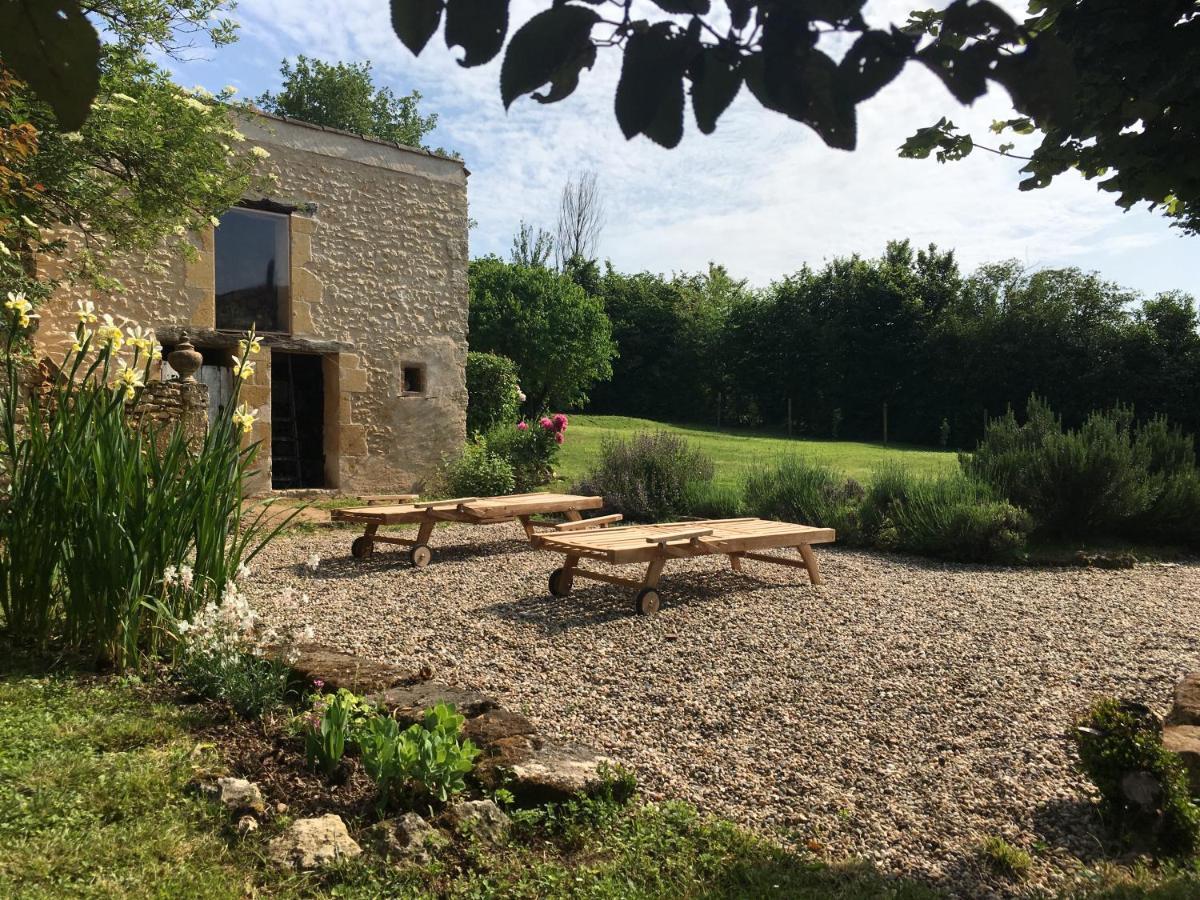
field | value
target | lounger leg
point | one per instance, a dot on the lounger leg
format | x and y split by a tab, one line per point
425	532
525	523
810	563
735	562
362	547
653	572
573	515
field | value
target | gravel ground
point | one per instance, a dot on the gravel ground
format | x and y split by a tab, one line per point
902	712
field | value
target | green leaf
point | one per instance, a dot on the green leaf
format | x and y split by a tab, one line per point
51	46
716	80
478	26
415	21
812	92
552	47
650	91
873	61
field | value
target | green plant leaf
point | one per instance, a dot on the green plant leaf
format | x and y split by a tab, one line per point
52	46
415	21
649	97
716	81
873	62
552	47
478	26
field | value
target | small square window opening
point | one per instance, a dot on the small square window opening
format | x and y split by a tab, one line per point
412	379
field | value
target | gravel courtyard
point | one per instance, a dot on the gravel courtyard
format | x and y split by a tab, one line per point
902	712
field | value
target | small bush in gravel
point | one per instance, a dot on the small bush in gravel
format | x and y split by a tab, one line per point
649	477
476	472
1143	787
493	394
1005	859
952	516
807	493
333	723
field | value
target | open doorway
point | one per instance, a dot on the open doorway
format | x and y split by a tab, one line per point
297	421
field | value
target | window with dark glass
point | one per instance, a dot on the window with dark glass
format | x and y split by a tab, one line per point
252	264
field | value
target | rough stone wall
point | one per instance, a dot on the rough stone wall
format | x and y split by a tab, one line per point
161	404
379	262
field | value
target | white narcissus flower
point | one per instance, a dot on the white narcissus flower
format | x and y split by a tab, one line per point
85	312
111	334
260	152
4	251
313	562
130	380
185	577
245	418
243	370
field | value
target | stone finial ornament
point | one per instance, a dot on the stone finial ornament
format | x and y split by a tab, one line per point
185	359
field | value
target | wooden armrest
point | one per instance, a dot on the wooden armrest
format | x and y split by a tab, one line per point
596	522
384	499
679	536
453	501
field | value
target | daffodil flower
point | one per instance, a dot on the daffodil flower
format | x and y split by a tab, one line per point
253	345
243	370
141	338
110	333
86	312
130	379
244	418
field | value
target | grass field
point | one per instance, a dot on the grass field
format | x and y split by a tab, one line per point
735	451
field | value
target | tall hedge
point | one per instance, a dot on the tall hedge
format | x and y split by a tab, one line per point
493	392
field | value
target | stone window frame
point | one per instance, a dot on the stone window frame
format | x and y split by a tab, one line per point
422	379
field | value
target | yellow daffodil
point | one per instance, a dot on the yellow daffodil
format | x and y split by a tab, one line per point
243	370
253	345
21	306
140	338
86	312
244	418
110	333
130	379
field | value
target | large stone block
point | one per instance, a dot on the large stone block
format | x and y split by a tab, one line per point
1186	708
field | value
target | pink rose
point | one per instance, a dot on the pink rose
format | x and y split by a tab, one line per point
546	423
558	437
522	426
560	422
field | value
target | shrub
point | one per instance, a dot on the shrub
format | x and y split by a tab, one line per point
1077	483
713	501
1143	787
476	472
426	760
127	501
530	448
493	394
798	491
950	516
648	477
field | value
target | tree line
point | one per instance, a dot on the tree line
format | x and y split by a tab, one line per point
941	348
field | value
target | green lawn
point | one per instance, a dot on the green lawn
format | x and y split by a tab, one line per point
734	451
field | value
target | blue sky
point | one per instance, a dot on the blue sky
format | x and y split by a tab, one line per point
762	195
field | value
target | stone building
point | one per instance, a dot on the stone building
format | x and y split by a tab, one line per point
354	272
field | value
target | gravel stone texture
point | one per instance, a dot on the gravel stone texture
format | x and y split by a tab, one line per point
902	712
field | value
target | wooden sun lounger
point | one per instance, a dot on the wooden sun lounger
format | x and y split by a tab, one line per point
473	510
653	545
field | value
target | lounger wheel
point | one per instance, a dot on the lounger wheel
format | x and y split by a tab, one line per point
362	547
560	582
420	556
647	601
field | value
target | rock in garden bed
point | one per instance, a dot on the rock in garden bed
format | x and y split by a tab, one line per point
312	843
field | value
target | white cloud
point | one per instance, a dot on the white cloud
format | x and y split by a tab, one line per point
763	195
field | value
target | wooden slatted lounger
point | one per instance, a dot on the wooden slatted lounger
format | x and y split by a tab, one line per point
655	544
473	510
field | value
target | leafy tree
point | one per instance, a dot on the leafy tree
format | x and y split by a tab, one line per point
150	162
1130	119
344	95
1138	131
558	336
531	246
